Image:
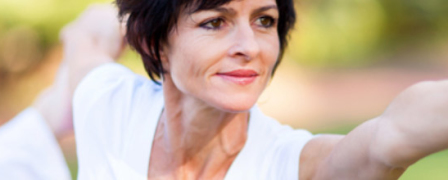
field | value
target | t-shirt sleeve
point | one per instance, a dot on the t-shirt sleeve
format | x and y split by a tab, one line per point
287	154
29	150
284	146
103	103
282	157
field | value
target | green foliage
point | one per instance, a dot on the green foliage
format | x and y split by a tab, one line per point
45	17
432	167
338	33
28	29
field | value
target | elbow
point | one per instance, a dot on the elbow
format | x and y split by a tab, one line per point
391	147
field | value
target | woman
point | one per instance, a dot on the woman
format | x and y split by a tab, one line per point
215	57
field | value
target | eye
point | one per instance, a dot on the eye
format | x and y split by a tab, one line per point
213	24
265	21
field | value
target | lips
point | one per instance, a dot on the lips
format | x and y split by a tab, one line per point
240	76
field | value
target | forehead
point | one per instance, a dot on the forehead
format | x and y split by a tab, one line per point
200	5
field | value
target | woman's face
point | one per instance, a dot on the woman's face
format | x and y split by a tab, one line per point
224	57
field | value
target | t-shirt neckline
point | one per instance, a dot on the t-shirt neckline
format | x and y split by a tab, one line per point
230	172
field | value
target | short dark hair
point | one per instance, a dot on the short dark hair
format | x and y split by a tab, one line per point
150	21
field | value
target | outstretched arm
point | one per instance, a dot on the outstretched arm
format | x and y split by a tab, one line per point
94	38
413	126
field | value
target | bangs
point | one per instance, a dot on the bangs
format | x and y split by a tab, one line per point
199	5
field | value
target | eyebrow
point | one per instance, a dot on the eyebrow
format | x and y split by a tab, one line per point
265	8
231	11
225	10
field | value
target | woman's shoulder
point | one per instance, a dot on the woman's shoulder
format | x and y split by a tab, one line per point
109	100
113	110
115	85
112	90
113	77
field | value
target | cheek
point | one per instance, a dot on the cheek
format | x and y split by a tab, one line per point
190	66
182	70
270	49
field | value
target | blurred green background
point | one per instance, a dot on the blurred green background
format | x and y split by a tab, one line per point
346	60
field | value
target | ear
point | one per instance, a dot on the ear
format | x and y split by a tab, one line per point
163	52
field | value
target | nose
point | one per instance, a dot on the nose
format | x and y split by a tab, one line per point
244	44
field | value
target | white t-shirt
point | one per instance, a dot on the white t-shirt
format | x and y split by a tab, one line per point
29	150
116	113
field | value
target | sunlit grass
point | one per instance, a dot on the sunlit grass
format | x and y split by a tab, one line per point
433	167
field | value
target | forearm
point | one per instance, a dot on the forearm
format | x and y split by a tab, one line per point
416	123
413	126
354	157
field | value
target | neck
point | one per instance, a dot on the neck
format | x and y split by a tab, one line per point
196	137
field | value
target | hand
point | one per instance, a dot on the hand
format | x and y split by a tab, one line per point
97	31
94	38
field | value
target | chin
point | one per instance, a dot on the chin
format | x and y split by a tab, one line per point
236	109
235	104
